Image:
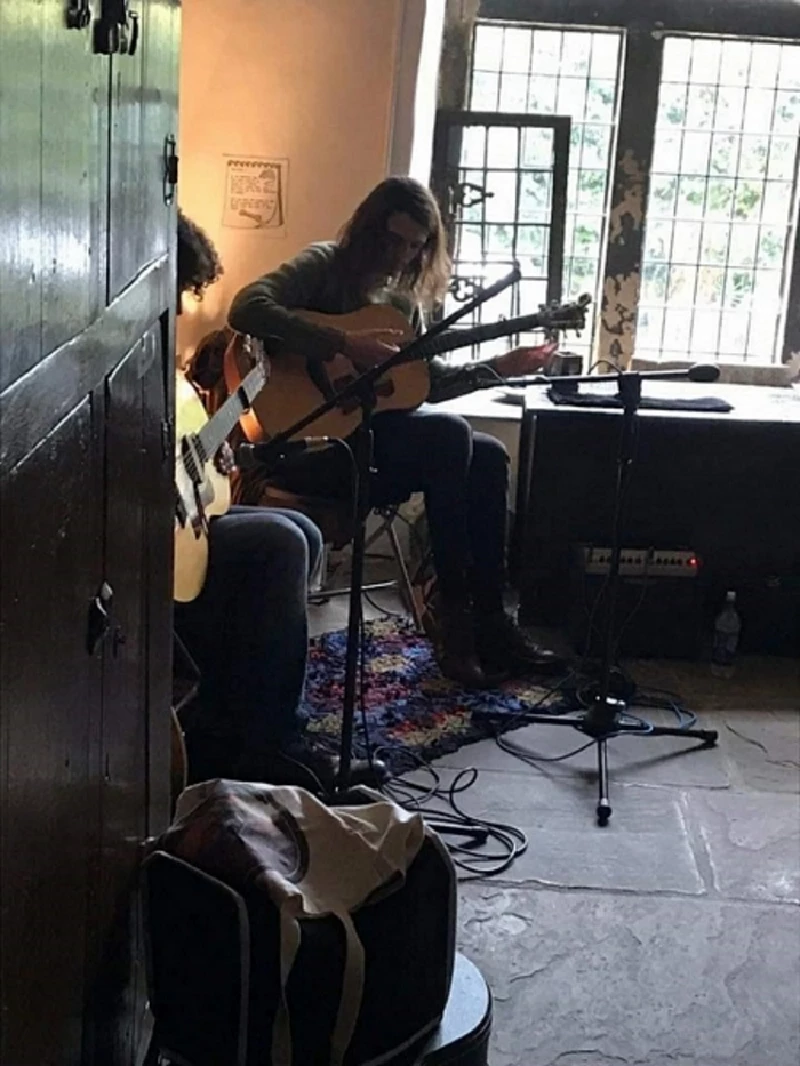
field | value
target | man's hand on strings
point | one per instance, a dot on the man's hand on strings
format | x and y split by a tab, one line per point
225	460
524	361
370	346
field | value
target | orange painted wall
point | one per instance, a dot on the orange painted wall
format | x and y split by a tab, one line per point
311	81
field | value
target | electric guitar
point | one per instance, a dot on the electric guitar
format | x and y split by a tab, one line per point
297	387
201	491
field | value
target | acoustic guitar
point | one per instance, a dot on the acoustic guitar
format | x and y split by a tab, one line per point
297	387
201	491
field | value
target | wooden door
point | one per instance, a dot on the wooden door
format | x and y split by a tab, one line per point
86	366
49	573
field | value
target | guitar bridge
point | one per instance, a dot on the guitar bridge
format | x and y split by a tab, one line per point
181	514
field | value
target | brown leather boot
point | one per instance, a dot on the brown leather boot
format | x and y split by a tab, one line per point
502	645
454	646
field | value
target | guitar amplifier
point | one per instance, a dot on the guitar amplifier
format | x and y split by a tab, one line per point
659	612
724	485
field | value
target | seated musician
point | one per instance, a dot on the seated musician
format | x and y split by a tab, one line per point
393	250
247	630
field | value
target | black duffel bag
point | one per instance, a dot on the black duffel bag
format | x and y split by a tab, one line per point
282	932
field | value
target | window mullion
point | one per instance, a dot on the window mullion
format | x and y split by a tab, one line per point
633	159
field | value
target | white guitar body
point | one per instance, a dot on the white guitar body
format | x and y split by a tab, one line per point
197	499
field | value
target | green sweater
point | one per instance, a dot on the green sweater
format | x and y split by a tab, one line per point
314	281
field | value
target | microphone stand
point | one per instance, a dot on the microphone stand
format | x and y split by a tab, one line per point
362	389
604	719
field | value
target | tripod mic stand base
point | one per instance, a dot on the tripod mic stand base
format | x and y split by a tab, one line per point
374	776
590	725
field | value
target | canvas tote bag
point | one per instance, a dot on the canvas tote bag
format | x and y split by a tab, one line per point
312	861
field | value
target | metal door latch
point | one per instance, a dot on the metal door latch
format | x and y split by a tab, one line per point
116	32
99	621
78	14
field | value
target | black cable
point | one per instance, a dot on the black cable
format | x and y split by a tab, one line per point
385	611
603	362
525	755
631	615
507	842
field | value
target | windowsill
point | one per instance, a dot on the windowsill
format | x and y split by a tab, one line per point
723	364
486	404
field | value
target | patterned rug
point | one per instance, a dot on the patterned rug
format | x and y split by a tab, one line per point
412	712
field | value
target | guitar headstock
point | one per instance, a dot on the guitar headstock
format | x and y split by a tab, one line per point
567	316
252	350
248	355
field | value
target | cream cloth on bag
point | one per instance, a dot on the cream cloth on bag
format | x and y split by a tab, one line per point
313	861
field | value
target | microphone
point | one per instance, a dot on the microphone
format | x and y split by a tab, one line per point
699	372
505	282
251	455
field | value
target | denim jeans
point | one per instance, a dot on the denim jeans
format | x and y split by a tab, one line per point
247	630
464	478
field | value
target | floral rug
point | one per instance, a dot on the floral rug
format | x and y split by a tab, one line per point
412	713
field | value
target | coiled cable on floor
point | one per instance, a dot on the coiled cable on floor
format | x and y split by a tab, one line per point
480	847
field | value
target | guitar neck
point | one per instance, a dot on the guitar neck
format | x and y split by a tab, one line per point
465	338
214	433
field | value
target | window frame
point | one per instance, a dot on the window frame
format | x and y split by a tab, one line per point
561	127
644	24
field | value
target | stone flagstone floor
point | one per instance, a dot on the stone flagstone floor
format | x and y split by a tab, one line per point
672	936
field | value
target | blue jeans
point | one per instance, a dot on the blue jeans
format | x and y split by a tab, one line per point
464	477
247	630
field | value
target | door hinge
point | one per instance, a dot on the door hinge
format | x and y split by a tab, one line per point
170	169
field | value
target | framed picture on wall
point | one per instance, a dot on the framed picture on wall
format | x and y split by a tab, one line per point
256	194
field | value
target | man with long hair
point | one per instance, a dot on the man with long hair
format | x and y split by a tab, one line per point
394	250
247	631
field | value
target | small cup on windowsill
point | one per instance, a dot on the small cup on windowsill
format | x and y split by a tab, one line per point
565	364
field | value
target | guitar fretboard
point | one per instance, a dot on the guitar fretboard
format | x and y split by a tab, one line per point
571	316
211	437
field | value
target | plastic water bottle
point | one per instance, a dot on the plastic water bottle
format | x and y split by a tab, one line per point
727	626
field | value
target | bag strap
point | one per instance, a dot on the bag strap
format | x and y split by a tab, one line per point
352	987
352	990
289	946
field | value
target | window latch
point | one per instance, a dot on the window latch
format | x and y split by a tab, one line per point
78	14
116	32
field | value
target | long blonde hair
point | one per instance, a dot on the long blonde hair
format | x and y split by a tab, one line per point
427	276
